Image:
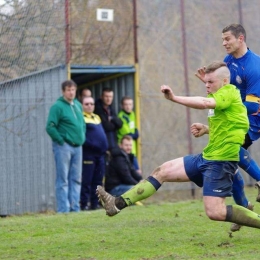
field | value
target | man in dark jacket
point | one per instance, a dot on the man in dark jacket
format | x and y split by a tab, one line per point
121	175
94	150
111	123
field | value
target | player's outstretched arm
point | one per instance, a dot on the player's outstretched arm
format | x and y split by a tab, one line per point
198	129
192	102
167	91
201	74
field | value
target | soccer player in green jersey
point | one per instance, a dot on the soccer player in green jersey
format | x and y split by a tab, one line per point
215	167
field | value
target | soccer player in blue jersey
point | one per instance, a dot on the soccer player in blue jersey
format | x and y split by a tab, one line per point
213	169
244	66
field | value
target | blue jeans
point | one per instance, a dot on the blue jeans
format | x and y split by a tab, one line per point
120	189
68	161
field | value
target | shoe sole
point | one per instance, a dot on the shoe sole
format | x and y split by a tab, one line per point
107	201
235	227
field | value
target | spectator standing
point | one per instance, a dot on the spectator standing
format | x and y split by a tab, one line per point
111	123
66	127
94	150
85	92
127	115
121	175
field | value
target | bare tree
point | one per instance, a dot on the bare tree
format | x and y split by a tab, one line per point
31	36
99	42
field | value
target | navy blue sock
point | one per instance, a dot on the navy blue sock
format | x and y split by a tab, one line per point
229	213
154	182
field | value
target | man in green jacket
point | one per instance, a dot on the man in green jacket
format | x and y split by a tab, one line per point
66	127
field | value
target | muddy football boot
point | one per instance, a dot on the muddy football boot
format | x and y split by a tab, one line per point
107	201
235	227
257	185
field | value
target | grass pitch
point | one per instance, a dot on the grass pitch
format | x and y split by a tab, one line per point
163	230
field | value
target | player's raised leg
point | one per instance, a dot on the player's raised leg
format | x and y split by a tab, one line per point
171	171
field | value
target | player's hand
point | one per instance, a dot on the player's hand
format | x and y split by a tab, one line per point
198	129
201	74
167	91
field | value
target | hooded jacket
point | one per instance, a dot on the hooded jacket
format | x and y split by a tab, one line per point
65	123
121	170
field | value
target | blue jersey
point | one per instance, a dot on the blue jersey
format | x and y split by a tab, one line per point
245	75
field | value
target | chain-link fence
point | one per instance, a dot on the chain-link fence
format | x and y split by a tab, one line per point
32	36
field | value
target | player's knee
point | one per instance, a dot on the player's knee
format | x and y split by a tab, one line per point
212	215
244	159
215	214
160	173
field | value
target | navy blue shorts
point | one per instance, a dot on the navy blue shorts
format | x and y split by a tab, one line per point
216	177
